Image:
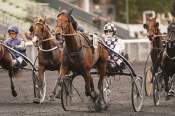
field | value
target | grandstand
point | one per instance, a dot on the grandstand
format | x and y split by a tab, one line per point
22	13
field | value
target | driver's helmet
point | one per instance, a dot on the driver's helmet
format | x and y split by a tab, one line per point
109	29
13	28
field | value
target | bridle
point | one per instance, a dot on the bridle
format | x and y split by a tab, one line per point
44	40
62	27
155	34
70	54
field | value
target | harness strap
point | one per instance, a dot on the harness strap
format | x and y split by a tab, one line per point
48	50
88	41
47	39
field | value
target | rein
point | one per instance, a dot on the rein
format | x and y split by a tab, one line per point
73	34
159	35
46	50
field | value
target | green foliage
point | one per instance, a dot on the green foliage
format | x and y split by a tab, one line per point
96	1
37	0
136	8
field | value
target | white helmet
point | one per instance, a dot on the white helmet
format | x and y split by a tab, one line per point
110	27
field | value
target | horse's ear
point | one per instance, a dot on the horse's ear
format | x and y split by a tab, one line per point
145	26
70	12
59	9
35	19
157	24
44	19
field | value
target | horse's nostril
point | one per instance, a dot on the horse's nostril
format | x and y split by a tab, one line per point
150	35
58	34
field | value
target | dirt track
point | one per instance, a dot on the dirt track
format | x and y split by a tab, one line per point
120	103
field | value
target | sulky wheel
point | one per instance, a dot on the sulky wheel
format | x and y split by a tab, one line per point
107	89
149	82
39	86
137	93
66	94
35	76
156	89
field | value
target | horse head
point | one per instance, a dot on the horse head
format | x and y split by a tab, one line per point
170	43
41	30
64	23
152	28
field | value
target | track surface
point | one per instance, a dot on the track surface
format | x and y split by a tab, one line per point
120	102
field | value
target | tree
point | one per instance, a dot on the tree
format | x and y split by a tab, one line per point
136	8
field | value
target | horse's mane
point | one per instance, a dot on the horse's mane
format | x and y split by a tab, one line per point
62	12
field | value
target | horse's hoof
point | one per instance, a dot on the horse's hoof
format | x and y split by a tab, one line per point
94	96
58	95
104	107
98	107
91	107
52	97
36	101
171	93
14	93
167	98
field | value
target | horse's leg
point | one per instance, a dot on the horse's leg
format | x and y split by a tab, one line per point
54	92
11	75
102	71
41	92
171	91
89	90
166	79
89	85
62	72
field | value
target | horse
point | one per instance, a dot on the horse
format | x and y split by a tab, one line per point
79	57
168	61
6	63
154	35
49	53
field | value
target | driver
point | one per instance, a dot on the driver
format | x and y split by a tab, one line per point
16	43
115	43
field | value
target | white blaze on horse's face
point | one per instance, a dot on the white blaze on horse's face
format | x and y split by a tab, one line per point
35	40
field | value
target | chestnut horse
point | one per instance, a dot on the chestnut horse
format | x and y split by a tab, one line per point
79	57
48	55
155	37
6	63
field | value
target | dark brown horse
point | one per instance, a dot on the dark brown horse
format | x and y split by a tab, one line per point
79	57
168	62
156	39
49	54
6	63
